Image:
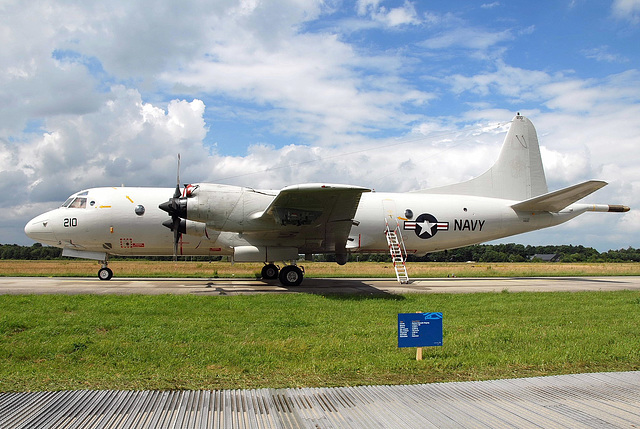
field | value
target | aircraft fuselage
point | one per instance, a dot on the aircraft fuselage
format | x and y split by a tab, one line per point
127	221
277	225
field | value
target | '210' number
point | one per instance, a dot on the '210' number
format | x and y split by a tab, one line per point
70	222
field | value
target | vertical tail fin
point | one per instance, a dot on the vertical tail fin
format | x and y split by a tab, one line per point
517	174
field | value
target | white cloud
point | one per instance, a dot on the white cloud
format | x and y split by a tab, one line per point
566	167
42	87
404	15
87	96
592	94
467	38
389	17
367	6
124	140
320	91
627	10
514	82
602	53
556	91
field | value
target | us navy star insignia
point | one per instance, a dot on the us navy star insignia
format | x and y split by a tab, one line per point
426	226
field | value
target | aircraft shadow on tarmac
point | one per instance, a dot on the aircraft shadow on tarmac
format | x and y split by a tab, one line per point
330	288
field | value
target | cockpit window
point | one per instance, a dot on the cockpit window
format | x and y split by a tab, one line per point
78	203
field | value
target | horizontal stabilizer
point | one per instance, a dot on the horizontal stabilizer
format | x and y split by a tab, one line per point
558	200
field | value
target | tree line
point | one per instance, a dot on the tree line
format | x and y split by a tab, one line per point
509	252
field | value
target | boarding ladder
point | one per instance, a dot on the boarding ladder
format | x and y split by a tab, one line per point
397	251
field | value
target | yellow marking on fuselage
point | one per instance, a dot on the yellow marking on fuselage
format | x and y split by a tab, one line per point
129	199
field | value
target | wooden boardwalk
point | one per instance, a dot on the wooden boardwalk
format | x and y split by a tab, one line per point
603	400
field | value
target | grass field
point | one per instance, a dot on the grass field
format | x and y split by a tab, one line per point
53	342
141	268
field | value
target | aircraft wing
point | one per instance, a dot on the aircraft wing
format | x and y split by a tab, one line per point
324	212
558	200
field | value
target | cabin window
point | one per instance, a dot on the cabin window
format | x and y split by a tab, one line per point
408	213
139	210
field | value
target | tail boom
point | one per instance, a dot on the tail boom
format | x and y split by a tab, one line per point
610	208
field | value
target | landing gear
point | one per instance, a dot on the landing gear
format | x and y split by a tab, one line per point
105	273
291	275
270	272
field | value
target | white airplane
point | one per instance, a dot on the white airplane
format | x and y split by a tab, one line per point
252	225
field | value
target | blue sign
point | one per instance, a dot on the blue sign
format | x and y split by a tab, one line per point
419	329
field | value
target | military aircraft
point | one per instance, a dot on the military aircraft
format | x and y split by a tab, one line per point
254	225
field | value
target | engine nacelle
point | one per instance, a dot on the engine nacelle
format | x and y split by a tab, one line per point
196	229
224	207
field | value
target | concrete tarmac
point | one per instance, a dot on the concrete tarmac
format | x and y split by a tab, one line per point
212	286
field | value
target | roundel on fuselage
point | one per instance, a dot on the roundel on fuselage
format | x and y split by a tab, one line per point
426	226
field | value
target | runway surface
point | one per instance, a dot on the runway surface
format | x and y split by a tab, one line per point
211	286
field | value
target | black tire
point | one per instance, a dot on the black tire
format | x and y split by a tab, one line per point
291	276
270	272
105	274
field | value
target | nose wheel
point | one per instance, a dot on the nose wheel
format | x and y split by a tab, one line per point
105	273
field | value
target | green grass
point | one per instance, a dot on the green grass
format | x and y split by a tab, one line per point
53	342
154	269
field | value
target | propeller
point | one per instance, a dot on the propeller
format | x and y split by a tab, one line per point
176	206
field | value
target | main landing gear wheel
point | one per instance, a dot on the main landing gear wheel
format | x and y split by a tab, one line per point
105	274
291	275
270	272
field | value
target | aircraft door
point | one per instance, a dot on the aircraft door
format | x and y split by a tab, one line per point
389	211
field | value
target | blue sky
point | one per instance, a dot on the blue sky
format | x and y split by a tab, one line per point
392	95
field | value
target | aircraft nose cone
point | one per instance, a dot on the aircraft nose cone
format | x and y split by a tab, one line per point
39	229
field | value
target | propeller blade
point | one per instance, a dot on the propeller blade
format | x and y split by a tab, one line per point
177	193
176	236
176	240
176	207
